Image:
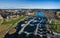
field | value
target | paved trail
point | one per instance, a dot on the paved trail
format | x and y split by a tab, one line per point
24	27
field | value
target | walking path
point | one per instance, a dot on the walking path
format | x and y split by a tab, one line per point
55	33
11	27
24	27
36	29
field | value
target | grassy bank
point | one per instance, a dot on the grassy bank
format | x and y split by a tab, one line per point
12	21
1	20
55	25
7	24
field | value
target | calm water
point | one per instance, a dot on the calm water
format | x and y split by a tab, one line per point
40	14
15	35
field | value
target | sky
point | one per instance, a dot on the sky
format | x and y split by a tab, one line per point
33	4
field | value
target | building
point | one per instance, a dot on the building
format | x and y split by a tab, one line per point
1	17
58	14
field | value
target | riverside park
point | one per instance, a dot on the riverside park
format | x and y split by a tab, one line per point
29	23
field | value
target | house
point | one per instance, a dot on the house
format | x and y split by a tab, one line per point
58	14
1	17
29	13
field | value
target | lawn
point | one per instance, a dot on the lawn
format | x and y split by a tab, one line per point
7	24
12	21
1	20
56	26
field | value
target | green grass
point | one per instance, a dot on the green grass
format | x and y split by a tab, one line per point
7	25
10	24
1	20
55	25
13	21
